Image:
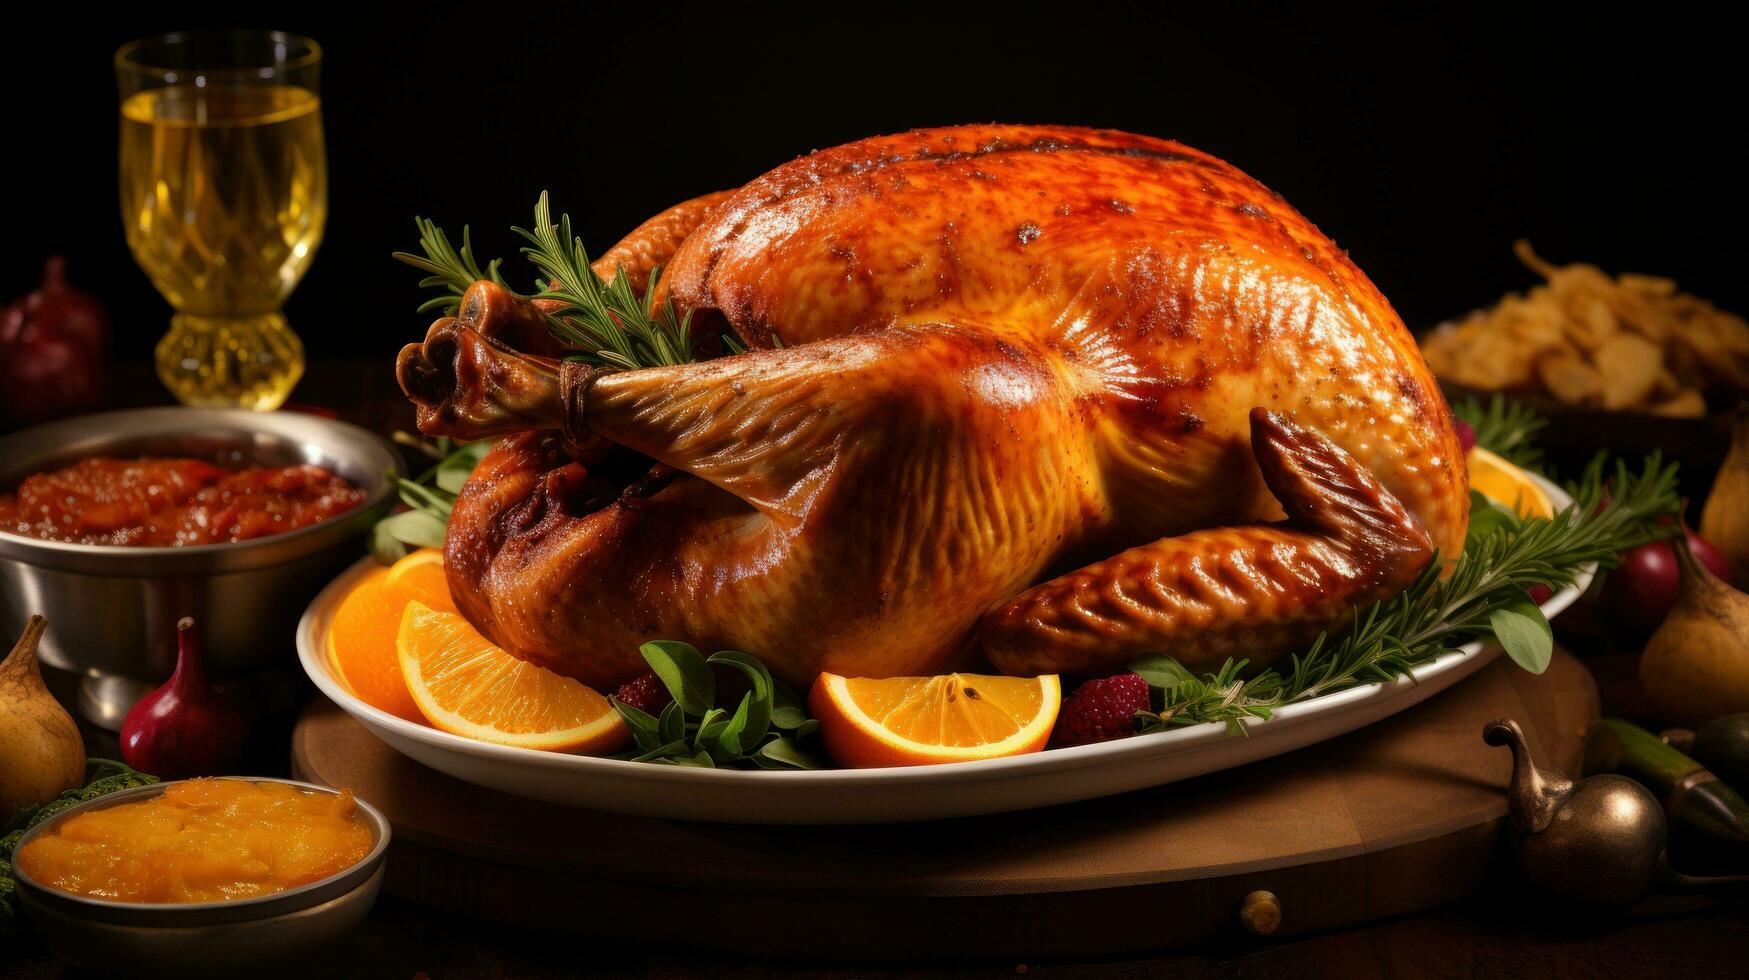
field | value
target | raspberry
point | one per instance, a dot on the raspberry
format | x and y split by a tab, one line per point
1466	436
645	693
1101	710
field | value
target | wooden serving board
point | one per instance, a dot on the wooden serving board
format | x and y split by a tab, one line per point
1394	818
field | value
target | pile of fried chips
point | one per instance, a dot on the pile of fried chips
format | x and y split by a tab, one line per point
1632	343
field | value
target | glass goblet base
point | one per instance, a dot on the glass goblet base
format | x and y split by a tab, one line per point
230	362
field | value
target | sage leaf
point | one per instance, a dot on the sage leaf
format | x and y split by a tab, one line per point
672	724
384	546
661	752
636	718
739	726
758	703
422	498
1523	631
708	727
787	712
451	474
1162	671
414	527
682	669
783	753
1486	517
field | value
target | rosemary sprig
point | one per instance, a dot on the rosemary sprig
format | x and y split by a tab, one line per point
451	271
609	319
1505	428
1484	596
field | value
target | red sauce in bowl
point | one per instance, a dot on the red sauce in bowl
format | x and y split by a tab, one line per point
175	502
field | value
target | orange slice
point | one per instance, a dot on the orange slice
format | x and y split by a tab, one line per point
421	576
1506	484
914	721
361	645
466	686
361	640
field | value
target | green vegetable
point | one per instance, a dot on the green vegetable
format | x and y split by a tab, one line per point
1482	597
1722	745
607	320
102	777
1709	821
1506	429
768	728
430	497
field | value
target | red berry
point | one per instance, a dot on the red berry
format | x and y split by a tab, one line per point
1540	593
645	693
1101	710
1466	436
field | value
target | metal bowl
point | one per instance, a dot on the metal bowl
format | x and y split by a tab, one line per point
112	610
150	939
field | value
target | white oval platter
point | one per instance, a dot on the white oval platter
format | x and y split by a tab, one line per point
849	796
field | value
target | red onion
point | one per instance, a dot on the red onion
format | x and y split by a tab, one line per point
1643	590
184	728
52	348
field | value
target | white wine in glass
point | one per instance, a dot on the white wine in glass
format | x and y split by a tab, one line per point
224	194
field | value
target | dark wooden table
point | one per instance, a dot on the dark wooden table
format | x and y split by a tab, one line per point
1493	935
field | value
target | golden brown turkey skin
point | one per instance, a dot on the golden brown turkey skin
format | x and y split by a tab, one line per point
1004	390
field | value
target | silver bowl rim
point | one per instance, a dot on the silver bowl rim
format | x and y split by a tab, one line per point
145	553
194	914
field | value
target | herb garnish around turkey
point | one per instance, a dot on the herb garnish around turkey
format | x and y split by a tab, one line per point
1505	428
607	320
429	498
1483	597
768	728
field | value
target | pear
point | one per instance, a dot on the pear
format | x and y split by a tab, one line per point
1696	665
41	752
1725	519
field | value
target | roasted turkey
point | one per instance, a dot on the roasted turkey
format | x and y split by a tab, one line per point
1044	397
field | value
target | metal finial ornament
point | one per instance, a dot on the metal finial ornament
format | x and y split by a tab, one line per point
1592	842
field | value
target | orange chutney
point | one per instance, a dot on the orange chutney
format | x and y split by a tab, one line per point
202	840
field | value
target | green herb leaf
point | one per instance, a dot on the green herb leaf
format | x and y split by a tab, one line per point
671	726
414	527
1449	604
758	702
452	473
1487	517
683	671
645	729
1506	429
729	741
787	712
784	753
1160	670
1523	631
384	546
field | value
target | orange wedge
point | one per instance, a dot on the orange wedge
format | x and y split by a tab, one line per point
466	686
361	645
1506	484
361	640
914	721
421	576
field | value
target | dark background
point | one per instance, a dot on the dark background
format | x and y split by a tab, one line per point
1422	142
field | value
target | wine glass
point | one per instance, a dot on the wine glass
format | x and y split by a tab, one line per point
224	193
